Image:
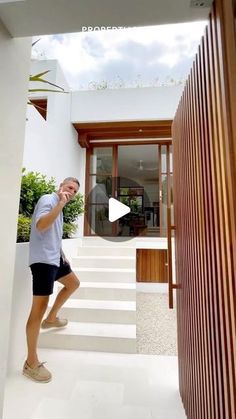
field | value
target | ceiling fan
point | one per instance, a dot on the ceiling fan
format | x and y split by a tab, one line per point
141	167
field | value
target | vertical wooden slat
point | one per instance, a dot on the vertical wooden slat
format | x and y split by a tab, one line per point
204	149
227	287
207	209
169	233
219	211
214	217
87	228
114	183
198	244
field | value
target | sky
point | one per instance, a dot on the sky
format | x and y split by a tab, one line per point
132	57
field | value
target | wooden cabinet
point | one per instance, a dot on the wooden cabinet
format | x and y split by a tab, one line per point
151	265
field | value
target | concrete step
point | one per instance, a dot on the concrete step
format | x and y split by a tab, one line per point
106	251
120	242
105	291
117	338
99	311
56	408
115	242
105	274
123	262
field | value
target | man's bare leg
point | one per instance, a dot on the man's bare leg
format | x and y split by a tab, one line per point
71	283
39	306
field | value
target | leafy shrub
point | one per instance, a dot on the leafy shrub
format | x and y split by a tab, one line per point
33	186
68	230
73	209
23	228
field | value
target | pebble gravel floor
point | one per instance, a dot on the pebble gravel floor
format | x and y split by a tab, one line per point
156	325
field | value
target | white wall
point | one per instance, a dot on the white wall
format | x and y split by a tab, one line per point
152	191
14	70
21	304
148	103
51	146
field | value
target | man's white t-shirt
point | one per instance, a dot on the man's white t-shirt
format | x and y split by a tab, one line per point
45	247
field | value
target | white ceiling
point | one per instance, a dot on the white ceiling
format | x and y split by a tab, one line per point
39	17
129	162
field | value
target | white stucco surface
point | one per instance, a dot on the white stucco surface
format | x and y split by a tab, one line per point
24	18
134	104
51	146
14	70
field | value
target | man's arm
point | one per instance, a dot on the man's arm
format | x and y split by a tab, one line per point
48	219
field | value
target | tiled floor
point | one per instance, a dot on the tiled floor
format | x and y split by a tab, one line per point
89	385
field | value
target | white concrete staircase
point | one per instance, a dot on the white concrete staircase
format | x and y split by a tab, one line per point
102	312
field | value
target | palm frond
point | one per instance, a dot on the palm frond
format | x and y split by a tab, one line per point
46	90
35	42
37	78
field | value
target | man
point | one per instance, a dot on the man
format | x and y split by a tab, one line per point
48	264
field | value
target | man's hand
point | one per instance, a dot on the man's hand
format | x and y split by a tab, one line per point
46	220
64	197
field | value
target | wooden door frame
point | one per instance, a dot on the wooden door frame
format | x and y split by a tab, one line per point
91	135
167	173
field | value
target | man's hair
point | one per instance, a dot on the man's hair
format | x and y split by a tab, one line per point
71	179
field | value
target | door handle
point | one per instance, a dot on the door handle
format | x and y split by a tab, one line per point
171	286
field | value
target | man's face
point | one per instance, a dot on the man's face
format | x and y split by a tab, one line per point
70	187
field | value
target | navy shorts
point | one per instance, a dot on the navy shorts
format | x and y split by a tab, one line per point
44	276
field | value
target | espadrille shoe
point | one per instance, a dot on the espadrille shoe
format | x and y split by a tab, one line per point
57	323
38	373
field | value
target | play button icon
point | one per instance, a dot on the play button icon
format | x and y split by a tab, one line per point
117	209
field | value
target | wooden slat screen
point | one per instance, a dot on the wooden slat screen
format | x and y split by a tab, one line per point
204	142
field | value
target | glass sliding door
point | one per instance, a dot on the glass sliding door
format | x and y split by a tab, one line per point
163	189
100	188
137	176
166	180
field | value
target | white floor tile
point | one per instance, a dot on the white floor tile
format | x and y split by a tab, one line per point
96	392
126	375
62	409
172	411
93	385
125	412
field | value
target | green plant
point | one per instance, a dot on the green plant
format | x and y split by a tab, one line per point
68	230
38	78
134	205
33	186
23	228
130	202
73	209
